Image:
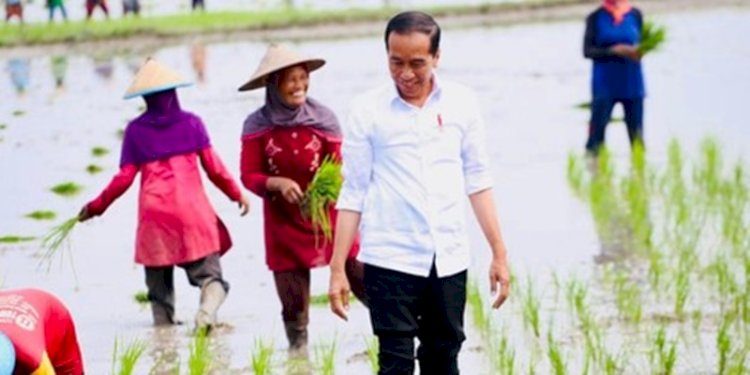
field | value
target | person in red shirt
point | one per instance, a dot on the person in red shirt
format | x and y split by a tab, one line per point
177	226
42	334
283	144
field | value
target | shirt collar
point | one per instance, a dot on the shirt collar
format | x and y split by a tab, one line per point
398	103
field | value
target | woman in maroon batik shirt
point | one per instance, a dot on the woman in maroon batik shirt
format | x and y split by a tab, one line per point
283	144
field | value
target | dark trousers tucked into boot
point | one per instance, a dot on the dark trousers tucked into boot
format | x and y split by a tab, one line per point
204	273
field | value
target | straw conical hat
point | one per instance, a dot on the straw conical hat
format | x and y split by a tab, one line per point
154	77
278	57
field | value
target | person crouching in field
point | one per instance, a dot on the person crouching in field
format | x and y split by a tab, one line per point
177	225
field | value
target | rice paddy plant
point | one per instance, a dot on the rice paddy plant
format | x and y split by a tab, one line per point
260	358
16	239
707	172
18	113
628	298
531	305
723	344
325	357
372	353
663	353
652	37
575	175
504	356
99	151
41	215
656	269
481	318
682	289
201	357
129	356
555	355
93	169
67	189
141	298
320	195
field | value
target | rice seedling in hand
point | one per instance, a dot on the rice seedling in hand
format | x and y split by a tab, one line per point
652	37
55	238
41	215
320	195
67	189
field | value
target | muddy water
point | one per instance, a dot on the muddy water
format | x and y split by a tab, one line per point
529	78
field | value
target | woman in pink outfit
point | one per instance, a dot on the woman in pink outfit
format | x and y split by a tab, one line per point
176	223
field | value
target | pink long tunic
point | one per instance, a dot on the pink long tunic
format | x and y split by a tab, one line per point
176	222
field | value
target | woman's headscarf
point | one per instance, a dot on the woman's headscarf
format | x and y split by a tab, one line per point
617	8
277	113
164	130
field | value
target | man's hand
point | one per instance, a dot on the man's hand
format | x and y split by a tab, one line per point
499	275
338	293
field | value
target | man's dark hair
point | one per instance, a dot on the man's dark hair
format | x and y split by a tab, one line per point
413	21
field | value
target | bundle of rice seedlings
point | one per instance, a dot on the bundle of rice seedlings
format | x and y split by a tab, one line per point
129	356
201	357
652	37
54	239
321	193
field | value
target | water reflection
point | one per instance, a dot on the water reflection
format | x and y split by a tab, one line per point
198	58
59	68
104	67
20	72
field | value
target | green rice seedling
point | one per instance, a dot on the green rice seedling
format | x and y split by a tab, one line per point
120	133
3	126
99	151
55	238
325	357
67	189
628	298
555	355
129	357
141	297
656	270
201	357
18	113
16	239
320	195
652	37
663	353
707	172
723	344
505	358
93	169
481	318
583	105
41	215
575	175
260	358
531	305
372	353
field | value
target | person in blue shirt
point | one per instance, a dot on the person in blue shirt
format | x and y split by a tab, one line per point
613	32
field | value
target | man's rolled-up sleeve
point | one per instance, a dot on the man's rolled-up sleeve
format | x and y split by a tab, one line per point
476	160
357	154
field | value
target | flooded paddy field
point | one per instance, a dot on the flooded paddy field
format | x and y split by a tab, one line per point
529	78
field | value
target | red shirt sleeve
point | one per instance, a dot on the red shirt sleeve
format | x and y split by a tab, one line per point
119	185
251	166
218	174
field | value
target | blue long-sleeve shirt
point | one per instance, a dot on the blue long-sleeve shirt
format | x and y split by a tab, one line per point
613	77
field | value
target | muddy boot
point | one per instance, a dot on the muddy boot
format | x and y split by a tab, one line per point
212	296
296	333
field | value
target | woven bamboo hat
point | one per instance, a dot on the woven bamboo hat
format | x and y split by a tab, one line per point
153	77
277	58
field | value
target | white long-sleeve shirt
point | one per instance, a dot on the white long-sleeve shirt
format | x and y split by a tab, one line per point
408	171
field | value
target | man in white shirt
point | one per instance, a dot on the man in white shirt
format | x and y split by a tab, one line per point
413	149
